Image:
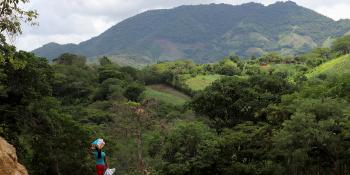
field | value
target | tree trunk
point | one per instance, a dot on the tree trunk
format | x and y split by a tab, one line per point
54	170
334	169
141	163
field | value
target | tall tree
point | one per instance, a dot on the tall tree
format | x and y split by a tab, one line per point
11	16
233	100
342	45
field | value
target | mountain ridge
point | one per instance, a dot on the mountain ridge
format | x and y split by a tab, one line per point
206	33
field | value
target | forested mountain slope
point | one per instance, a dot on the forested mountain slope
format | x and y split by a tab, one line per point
206	33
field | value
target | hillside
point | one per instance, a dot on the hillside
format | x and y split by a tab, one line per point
339	66
206	33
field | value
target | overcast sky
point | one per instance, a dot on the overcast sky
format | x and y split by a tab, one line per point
73	21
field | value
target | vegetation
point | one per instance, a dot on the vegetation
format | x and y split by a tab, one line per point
12	15
338	66
271	114
266	115
341	46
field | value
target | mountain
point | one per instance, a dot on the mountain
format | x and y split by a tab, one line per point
206	33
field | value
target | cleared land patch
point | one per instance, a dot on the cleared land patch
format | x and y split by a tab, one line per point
200	82
166	94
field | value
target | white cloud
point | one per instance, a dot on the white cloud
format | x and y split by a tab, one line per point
33	41
73	21
336	11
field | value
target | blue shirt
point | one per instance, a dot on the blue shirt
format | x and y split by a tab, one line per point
99	161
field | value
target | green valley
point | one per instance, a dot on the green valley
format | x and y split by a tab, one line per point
211	89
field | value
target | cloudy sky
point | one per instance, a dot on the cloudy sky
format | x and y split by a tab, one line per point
73	21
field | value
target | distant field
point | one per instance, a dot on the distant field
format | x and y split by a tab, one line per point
166	94
200	82
338	66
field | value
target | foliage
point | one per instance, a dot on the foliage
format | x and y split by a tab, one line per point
74	80
12	16
335	67
134	91
316	56
33	119
232	100
313	143
227	67
244	149
70	59
342	45
105	61
57	141
185	149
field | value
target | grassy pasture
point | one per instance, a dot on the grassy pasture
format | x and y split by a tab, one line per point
335	67
200	82
166	94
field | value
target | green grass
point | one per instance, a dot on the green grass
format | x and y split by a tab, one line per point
335	67
200	82
166	94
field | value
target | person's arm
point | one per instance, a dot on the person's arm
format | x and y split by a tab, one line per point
106	162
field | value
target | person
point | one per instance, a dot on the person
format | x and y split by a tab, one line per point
101	161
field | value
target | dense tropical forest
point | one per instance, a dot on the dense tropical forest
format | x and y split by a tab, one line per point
271	114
